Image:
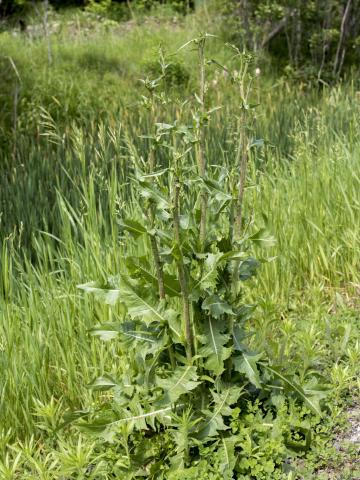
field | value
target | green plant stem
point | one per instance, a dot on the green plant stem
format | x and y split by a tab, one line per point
158	266
182	276
159	276
157	259
231	221
242	162
201	145
153	241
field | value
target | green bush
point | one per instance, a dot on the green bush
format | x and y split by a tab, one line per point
174	75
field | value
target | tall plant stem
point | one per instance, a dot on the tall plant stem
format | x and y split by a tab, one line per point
151	214
242	163
159	276
189	338
201	145
158	266
156	255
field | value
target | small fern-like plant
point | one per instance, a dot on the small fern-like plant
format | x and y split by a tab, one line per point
181	325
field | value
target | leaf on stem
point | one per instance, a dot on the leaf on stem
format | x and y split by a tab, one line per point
133	227
263	238
102	384
182	381
216	306
214	349
246	363
222	407
311	399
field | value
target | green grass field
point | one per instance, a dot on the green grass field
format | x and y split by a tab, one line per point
65	183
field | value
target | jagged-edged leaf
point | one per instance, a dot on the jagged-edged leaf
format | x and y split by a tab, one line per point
211	264
263	238
72	416
132	296
145	340
164	126
191	473
216	307
148	191
108	295
159	173
233	255
239	334
228	396
106	331
227	454
300	446
245	312
248	268
174	324
139	420
139	267
214	350
312	401
213	424
133	227
246	363
182	380
138	305
314	389
102	383
182	431
222	407
184	221
216	190
209	271
256	143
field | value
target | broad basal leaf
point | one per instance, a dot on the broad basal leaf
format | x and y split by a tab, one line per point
132	296
214	350
135	336
247	364
138	421
137	304
183	380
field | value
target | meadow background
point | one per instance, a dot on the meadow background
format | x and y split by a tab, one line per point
70	100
